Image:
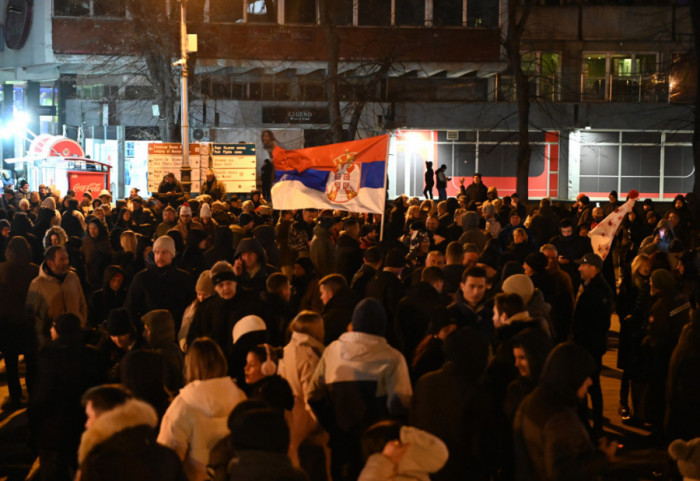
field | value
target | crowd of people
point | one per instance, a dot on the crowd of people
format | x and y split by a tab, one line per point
208	337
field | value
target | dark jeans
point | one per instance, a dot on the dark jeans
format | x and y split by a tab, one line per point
428	192
442	193
596	395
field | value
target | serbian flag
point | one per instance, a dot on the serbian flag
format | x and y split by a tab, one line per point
349	176
602	234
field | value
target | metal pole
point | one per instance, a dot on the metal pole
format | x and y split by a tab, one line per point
185	170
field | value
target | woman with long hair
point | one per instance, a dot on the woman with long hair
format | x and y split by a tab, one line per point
197	418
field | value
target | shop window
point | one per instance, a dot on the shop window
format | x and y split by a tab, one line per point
341	11
226	11
410	12
300	12
71	8
447	13
262	11
374	12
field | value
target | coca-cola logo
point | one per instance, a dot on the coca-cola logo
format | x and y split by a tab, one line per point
92	186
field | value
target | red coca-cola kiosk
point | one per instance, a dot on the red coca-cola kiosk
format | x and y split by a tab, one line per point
60	161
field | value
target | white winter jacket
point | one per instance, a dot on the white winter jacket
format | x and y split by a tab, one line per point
197	419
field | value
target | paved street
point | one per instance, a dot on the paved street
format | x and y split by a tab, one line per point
16	460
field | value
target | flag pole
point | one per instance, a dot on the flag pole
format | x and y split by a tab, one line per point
386	168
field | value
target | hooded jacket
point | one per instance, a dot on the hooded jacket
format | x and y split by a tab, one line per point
426	454
105	299
197	419
121	445
222	249
255	283
551	443
162	339
362	367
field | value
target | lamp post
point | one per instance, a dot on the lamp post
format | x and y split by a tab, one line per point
185	169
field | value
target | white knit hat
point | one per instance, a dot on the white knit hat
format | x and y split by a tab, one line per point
205	211
247	324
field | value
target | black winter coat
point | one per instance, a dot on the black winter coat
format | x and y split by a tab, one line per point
160	288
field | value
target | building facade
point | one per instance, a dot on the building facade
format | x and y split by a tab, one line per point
611	88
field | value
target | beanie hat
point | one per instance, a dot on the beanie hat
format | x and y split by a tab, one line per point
205	284
306	264
246	325
663	280
5	223
185	210
651	214
205	211
104	192
326	222
67	325
160	323
537	261
259	429
687	456
118	322
222	271
165	242
369	317
521	285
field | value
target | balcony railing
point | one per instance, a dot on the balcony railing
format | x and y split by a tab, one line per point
625	88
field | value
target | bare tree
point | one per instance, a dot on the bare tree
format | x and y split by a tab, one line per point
518	13
362	80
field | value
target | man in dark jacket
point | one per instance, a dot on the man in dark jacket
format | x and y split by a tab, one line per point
451	404
570	248
66	369
348	254
471	308
592	311
371	263
414	311
161	286
120	442
387	287
338	302
251	267
476	192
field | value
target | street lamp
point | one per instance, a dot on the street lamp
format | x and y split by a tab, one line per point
185	48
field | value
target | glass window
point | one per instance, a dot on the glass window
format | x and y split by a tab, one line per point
109	8
482	13
549	73
374	12
71	8
300	12
645	64
621	65
341	11
447	13
262	11
410	12
225	10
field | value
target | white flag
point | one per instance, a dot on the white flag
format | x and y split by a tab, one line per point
603	233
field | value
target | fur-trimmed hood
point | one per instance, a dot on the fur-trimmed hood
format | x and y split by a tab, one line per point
128	415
